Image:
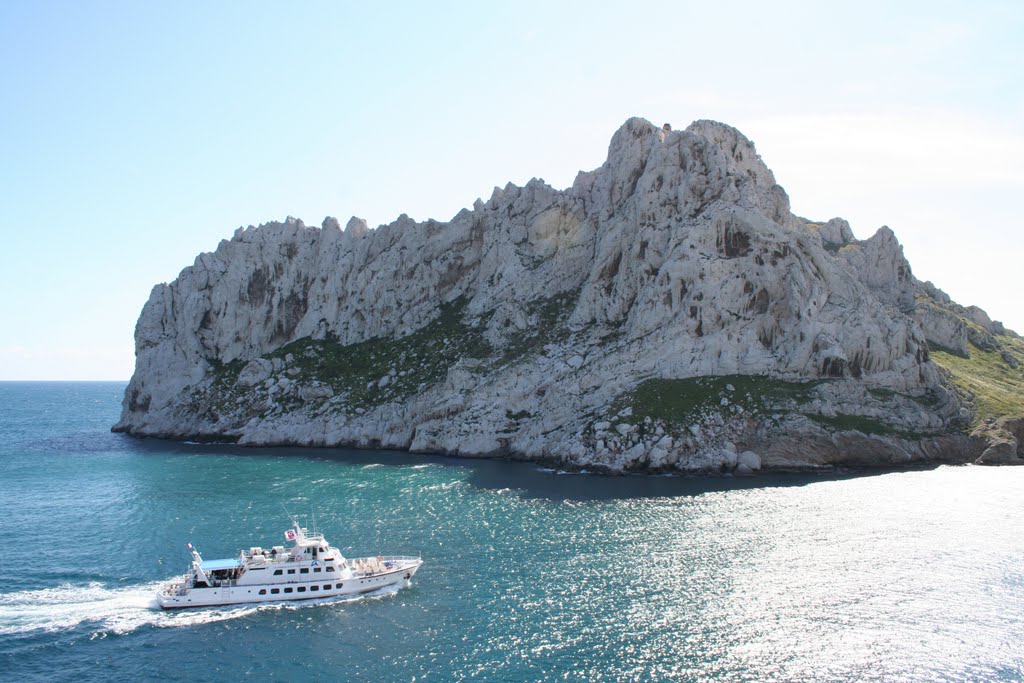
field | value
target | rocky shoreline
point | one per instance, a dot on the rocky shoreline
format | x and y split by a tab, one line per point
667	313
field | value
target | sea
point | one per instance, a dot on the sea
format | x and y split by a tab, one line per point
529	574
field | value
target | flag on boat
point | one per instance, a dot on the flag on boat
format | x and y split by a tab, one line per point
289	535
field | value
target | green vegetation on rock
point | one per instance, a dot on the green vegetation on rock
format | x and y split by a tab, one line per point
222	394
863	424
377	371
997	388
382	370
225	374
679	402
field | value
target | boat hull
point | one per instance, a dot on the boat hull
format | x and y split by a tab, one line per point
285	591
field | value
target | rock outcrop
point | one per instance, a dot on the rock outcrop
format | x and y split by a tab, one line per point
666	312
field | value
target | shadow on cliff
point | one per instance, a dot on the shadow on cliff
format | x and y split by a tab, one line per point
529	480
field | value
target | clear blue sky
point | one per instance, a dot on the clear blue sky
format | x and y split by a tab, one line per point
136	135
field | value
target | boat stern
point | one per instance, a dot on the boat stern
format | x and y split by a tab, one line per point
171	594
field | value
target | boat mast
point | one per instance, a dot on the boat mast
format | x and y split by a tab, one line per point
197	562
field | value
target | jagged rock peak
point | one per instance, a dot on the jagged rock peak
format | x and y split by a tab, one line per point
691	170
356	227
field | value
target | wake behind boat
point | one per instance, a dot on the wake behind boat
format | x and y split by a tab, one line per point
311	568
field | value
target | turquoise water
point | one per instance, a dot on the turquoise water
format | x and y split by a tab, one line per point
529	574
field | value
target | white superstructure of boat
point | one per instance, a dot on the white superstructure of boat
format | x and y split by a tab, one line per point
309	569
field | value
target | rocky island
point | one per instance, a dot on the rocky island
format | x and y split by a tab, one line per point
666	313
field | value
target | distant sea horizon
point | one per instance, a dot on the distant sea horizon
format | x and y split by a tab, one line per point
43	381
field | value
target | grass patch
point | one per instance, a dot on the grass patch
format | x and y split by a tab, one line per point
680	401
929	400
223	392
225	374
883	394
848	423
409	363
863	424
998	389
383	370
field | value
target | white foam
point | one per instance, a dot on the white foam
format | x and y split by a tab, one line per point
442	487
122	610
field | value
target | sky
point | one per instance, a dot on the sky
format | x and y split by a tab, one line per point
134	136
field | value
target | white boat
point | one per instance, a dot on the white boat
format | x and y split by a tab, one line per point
309	569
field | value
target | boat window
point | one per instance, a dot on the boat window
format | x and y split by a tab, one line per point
301	589
287	590
291	571
304	570
314	588
327	586
317	570
263	591
330	569
278	572
275	591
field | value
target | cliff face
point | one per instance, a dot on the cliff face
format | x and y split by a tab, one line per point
667	311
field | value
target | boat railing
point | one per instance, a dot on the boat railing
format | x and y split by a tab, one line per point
398	558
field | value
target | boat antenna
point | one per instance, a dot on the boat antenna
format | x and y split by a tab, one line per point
290	515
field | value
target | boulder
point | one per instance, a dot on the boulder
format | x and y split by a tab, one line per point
749	459
729	458
256	371
1001	453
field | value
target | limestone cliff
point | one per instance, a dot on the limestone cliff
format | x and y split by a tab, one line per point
666	312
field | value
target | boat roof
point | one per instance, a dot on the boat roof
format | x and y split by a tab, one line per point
214	565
